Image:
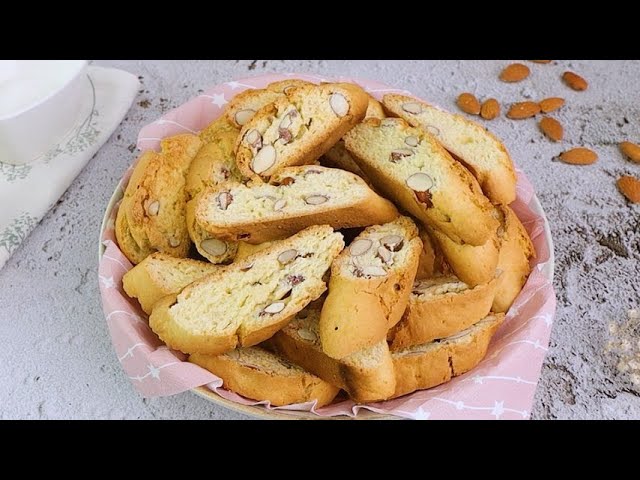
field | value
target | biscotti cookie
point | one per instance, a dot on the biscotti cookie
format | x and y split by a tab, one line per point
285	86
247	302
261	375
296	198
152	212
430	364
217	129
160	275
439	307
246	249
338	156
369	288
474	265
411	167
431	260
244	105
298	129
366	375
211	248
215	162
478	149
513	263
212	166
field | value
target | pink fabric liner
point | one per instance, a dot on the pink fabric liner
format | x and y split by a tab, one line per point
501	387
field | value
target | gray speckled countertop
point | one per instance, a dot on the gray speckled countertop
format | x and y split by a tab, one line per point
57	359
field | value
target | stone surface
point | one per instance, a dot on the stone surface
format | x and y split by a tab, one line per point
57	359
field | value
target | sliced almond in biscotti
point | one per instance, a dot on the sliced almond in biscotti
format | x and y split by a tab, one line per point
154	204
424	180
551	104
366	375
255	373
473	265
338	156
468	103
630	187
298	129
248	301
160	275
513	268
579	156
522	110
481	152
552	128
516	72
296	198
430	364
369	287
631	151
439	307
213	249
575	81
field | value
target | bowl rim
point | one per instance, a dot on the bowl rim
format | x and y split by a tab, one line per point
81	67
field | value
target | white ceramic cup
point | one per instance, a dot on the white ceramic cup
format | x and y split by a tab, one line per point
40	101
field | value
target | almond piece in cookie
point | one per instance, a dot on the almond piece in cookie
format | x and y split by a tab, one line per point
299	128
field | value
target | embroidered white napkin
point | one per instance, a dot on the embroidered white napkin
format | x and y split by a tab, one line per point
27	192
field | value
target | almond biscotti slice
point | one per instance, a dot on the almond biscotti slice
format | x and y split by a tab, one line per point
516	250
474	265
296	198
298	129
160	275
431	364
477	148
439	307
369	288
153	210
247	302
409	166
285	86
338	156
366	375
215	162
255	373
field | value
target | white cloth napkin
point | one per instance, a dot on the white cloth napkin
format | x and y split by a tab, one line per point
27	192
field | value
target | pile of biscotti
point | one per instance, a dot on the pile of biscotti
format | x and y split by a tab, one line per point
313	240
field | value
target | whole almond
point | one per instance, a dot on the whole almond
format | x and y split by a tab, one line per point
516	72
551	128
550	104
541	61
490	109
521	110
575	81
468	103
631	150
579	156
630	187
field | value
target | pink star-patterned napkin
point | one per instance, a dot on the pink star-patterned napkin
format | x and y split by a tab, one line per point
500	387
